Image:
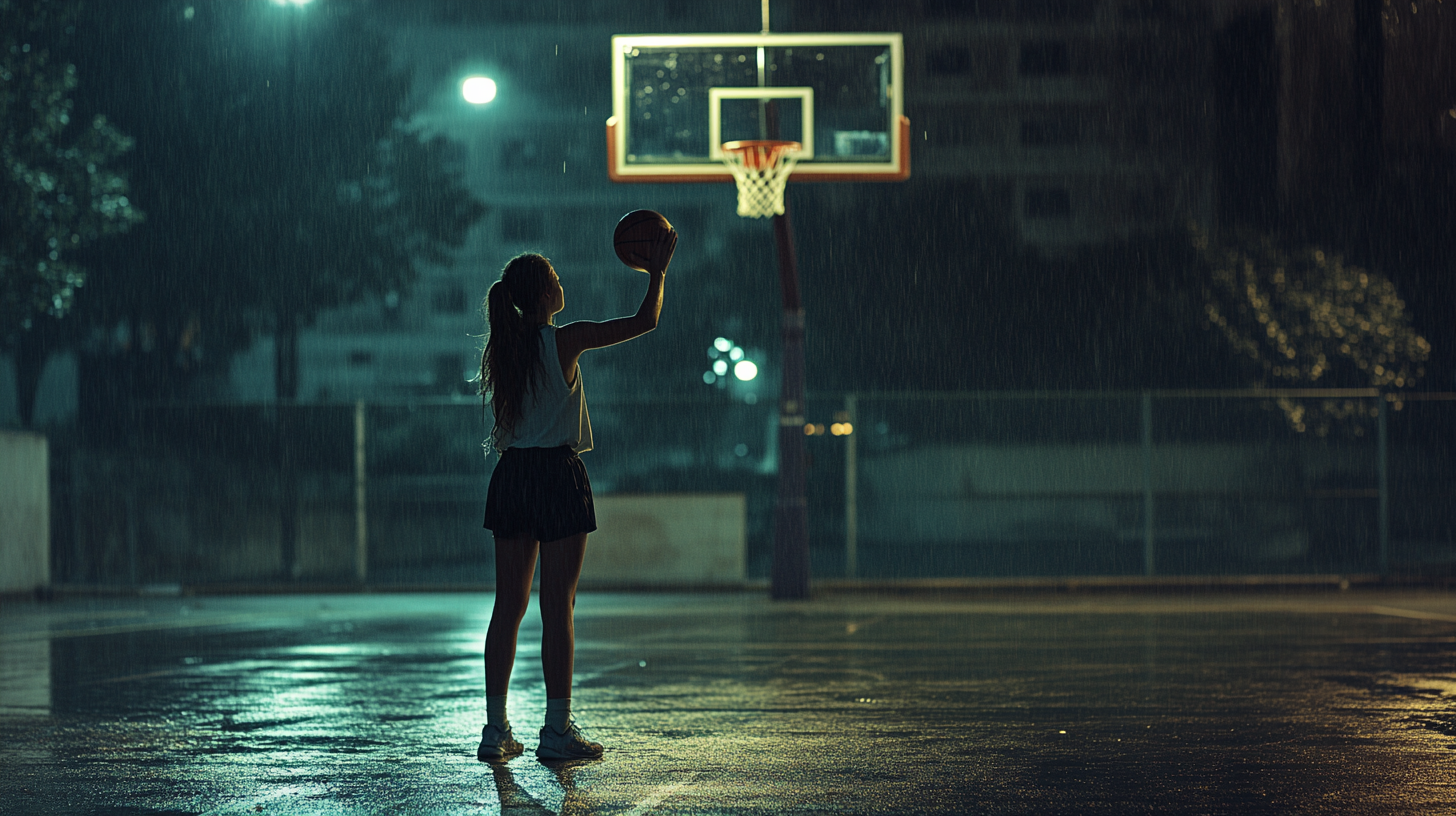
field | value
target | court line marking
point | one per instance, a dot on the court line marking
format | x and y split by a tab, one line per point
657	797
1418	614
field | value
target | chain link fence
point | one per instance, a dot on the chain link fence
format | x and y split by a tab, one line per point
907	485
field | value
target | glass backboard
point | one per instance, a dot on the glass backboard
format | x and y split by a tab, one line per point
678	98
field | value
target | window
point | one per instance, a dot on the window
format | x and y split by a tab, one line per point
521	226
1053	132
1048	203
1044	58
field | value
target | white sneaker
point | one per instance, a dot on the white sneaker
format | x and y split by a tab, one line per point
570	745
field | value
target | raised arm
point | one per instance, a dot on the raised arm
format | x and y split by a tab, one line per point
575	338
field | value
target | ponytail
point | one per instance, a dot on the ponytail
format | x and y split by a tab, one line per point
512	352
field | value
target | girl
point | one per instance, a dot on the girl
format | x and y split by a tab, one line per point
539	498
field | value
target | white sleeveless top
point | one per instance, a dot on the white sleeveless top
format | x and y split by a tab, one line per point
552	413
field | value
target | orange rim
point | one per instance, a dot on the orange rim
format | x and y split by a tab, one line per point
760	154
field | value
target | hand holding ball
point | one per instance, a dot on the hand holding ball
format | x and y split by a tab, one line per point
644	240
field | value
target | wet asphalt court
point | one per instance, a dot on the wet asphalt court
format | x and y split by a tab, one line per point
1162	702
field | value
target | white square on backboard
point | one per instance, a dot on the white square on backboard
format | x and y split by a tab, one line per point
715	114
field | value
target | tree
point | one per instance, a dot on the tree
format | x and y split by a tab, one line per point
280	176
1307	318
58	190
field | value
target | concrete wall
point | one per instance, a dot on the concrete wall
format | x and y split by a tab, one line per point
1090	492
25	524
667	539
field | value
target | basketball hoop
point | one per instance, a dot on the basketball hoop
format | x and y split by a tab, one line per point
761	169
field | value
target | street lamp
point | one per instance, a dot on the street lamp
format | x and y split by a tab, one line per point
478	90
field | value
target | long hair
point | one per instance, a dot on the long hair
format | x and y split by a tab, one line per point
512	353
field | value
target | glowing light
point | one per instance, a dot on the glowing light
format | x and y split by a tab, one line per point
735	354
291	2
720	367
745	370
478	90
709	377
722	344
841	429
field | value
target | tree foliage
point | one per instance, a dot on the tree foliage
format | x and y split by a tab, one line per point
279	171
1306	318
59	188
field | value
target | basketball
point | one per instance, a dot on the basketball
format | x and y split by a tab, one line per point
636	233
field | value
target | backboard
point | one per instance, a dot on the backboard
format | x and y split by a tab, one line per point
678	98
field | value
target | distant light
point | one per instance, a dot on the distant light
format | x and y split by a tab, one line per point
188	13
722	344
709	377
745	370
291	2
841	429
740	449
720	367
735	354
478	90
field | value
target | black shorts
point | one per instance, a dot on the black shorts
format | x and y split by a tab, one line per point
541	494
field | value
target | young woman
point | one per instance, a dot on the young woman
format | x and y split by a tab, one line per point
539	500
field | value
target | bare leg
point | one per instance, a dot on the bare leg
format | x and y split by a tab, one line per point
515	564
560	570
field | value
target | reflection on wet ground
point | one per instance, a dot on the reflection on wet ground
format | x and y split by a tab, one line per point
1074	703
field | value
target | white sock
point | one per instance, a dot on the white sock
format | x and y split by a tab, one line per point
558	714
495	711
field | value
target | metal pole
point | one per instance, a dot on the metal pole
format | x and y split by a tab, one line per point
790	575
851	488
1382	464
361	516
287	492
765	21
1149	542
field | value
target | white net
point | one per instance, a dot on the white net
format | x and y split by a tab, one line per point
762	171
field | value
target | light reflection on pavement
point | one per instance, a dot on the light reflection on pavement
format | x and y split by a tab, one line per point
1319	702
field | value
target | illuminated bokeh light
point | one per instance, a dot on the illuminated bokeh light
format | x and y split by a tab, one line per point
1307	317
478	90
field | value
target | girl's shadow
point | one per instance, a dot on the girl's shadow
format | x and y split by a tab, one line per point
516	799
